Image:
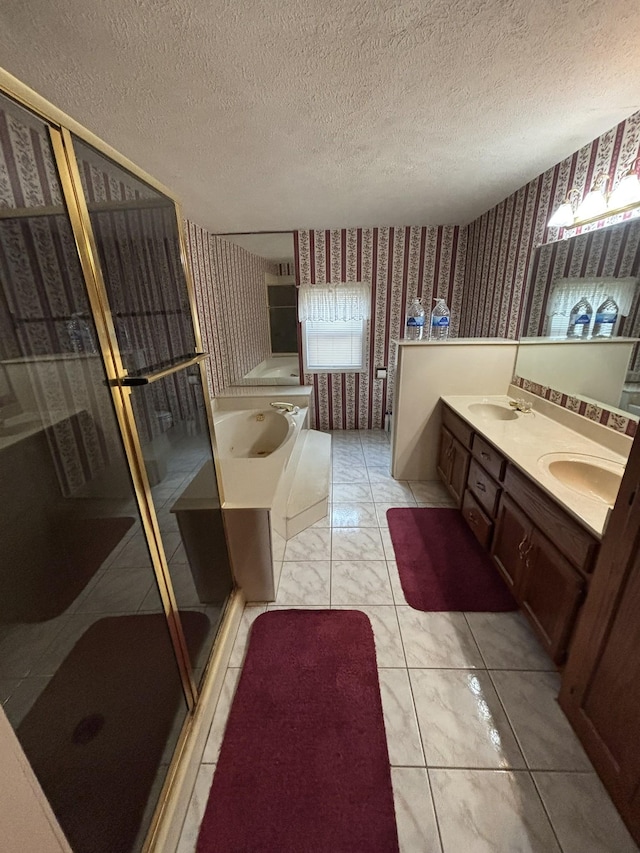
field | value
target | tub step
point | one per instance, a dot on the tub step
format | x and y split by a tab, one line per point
309	496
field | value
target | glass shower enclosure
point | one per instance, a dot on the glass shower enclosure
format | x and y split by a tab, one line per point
114	571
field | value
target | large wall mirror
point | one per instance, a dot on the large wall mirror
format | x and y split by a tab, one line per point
278	307
584	306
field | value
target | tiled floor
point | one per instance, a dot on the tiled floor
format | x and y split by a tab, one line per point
482	757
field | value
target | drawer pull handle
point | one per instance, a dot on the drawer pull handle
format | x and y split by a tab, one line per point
472	518
481	486
521	550
484	455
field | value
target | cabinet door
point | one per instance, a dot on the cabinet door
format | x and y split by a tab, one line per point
460	458
510	541
444	455
550	594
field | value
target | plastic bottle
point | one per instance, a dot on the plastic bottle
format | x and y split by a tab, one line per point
415	321
440	317
606	317
580	319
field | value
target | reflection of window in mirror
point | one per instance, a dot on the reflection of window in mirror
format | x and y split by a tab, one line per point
566	293
282	318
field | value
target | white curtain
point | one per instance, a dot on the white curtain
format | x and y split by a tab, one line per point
330	302
565	292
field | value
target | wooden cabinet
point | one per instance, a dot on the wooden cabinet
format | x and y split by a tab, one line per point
550	592
513	530
543	581
544	555
453	464
600	691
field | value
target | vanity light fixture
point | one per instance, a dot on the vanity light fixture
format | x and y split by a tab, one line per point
597	203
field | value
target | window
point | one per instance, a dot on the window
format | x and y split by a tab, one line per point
566	292
334	326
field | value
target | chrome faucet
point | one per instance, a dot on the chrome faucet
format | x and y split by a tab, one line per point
285	407
521	405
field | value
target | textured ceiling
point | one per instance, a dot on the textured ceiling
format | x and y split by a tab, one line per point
280	115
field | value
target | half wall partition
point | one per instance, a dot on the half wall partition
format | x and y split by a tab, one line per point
114	571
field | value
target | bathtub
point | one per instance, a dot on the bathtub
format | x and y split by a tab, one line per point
253	433
280	370
254	444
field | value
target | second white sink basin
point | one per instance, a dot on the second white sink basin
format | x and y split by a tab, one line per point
493	411
590	476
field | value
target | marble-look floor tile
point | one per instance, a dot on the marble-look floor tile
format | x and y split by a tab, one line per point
490	811
74	629
437	640
121	591
351	492
360	582
381	511
311	544
462	722
135	553
415	817
386	633
547	740
377	456
507	641
431	493
392	491
582	814
349	473
23	645
8	685
387	544
24	698
353	515
278	544
403	738
298	607
356	543
197	806
249	615
219	722
396	586
304	582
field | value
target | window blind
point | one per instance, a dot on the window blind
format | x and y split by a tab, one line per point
337	345
565	292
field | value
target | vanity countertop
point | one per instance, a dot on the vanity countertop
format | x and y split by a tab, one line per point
532	435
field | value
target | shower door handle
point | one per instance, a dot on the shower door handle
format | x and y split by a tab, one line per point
161	373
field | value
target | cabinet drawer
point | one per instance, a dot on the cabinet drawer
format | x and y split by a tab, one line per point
484	489
459	428
488	457
572	540
480	525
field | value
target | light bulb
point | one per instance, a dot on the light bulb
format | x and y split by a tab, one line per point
594	204
627	192
563	217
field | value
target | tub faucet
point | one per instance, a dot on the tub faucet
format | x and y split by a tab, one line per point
286	407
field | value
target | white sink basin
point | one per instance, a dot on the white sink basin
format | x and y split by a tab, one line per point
493	412
590	476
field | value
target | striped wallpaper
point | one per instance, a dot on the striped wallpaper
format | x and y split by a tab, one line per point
502	240
398	263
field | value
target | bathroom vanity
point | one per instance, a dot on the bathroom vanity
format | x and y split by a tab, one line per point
536	495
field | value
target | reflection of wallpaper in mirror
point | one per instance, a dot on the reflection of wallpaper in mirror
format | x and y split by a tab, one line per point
607	253
229	285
